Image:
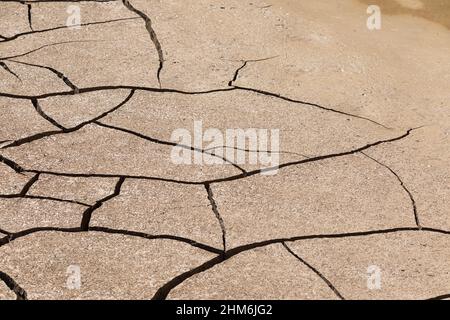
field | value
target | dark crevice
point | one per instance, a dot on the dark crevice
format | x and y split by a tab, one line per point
317	272
168	143
413	202
32	138
214	208
151	237
45	134
167	90
30	22
236	73
20	293
41	112
11	164
107	175
6	39
45	46
314	159
56	72
35	197
87	215
441	297
257	151
57	200
4	66
16	235
165	290
29	184
5	232
117	87
229	178
271	94
315	105
153	37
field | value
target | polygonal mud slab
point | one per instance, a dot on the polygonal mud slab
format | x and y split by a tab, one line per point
110	266
19	119
94	55
339	63
424	168
21	79
13	19
263	273
338	195
97	150
11	182
307	130
83	190
73	110
397	265
161	208
21	214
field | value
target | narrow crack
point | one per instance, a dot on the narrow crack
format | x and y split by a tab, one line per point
218	216
33	197
41	112
236	73
111	87
20	293
11	164
441	297
271	94
153	37
152	237
47	46
29	184
314	105
168	90
218	180
164	290
257	151
62	130
88	213
317	272
53	70
168	143
4	66
24	233
5	232
29	16
18	35
413	202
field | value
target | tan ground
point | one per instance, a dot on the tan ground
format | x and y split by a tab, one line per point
86	178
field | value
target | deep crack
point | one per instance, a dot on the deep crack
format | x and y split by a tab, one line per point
413	202
153	37
317	272
88	213
5	66
214	208
20	293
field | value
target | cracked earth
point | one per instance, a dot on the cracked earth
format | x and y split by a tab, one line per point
86	116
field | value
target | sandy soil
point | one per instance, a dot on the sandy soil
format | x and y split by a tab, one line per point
94	206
